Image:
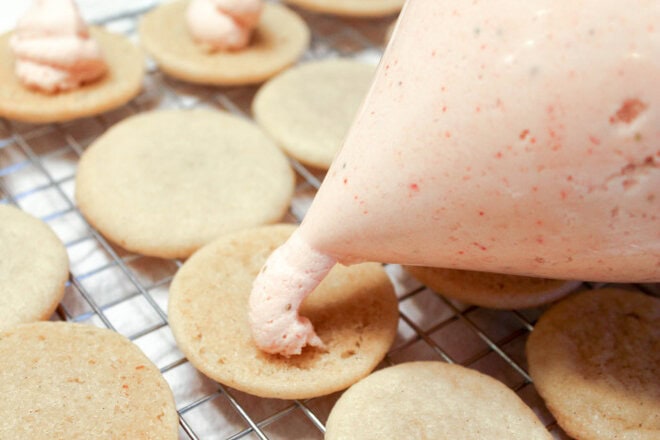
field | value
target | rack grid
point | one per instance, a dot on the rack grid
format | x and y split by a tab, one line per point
125	292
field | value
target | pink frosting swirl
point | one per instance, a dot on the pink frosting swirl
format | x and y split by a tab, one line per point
53	49
290	274
223	24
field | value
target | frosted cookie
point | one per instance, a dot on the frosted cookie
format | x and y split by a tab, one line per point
119	84
497	291
167	182
595	359
351	8
280	38
431	400
308	109
62	380
34	267
354	311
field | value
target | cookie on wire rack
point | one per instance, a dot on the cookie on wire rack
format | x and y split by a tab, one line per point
351	8
281	37
34	267
121	83
70	381
595	359
165	183
309	108
493	290
354	312
431	400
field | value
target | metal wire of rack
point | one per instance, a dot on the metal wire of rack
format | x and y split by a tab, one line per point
125	292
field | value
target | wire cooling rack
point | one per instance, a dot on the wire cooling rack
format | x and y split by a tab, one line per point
125	292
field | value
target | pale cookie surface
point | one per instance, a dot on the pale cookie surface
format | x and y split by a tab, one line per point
431	400
497	291
280	38
595	359
167	182
354	311
308	109
120	84
34	267
71	381
351	8
389	32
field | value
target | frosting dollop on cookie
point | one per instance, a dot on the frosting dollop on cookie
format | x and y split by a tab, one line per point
53	48
291	273
223	24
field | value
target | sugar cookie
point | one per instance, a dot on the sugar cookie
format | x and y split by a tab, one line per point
165	183
595	359
120	84
279	40
354	311
431	400
34	267
62	380
351	8
497	291
308	109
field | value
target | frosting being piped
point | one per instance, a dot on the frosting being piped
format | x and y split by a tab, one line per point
290	274
53	48
511	137
223	24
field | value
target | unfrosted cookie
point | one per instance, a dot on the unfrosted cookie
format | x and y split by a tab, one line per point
354	312
34	267
497	291
389	32
431	400
280	38
167	182
595	359
351	8
308	109
70	381
119	84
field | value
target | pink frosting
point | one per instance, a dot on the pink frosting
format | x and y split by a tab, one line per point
291	272
223	24
53	49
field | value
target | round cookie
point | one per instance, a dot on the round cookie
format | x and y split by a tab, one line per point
60	380
34	267
278	41
493	290
165	183
431	400
308	109
595	359
354	312
389	32
120	84
351	8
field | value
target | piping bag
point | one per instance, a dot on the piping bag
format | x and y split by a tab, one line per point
519	137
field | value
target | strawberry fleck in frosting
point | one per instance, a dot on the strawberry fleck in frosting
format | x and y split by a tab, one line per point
53	48
223	24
